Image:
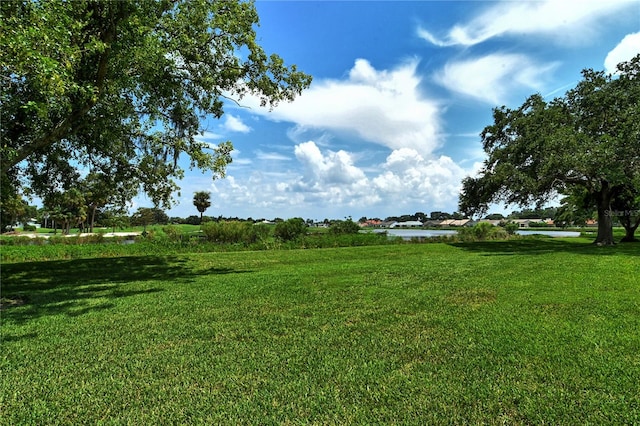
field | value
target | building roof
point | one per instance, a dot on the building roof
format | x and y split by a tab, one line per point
455	222
407	223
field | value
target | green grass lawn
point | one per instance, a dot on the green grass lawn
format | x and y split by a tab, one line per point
508	332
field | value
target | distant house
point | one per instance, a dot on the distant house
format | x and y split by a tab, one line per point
407	224
371	223
431	223
457	222
526	223
388	224
492	221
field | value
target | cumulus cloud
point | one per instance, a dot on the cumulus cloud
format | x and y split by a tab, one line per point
332	168
380	106
493	77
624	51
566	20
408	178
235	124
405	182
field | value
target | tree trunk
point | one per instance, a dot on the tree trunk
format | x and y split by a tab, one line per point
605	224
630	229
77	115
93	218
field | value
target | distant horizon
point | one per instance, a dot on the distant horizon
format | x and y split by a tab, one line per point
427	215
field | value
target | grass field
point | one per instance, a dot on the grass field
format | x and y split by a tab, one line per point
508	332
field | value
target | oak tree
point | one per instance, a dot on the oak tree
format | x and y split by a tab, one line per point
123	86
588	140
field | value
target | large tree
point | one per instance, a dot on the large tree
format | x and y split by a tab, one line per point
626	209
67	209
104	85
102	189
588	140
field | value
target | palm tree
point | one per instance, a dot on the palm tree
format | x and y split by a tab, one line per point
202	201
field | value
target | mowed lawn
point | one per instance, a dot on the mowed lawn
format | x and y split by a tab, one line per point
521	332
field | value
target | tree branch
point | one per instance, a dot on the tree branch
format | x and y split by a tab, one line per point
72	122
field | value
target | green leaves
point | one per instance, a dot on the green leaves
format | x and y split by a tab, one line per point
124	85
202	201
588	140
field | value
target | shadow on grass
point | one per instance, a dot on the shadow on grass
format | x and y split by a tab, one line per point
534	246
76	287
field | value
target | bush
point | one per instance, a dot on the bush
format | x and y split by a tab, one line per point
19	241
29	228
263	231
172	232
511	227
344	227
481	232
230	232
538	224
291	229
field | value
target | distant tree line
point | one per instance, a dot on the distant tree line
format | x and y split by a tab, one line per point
77	209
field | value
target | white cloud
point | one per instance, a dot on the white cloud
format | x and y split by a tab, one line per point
494	77
238	159
569	21
331	184
383	107
235	124
332	168
408	178
271	156
208	136
624	51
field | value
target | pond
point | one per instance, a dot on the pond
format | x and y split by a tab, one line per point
549	233
408	234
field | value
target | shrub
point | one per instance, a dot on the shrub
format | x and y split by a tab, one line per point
172	232
230	232
291	229
263	231
482	231
538	224
511	227
29	228
93	239
343	227
17	241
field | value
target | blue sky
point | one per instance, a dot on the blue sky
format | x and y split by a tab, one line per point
400	94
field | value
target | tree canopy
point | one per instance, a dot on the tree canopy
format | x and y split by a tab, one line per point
202	201
586	142
120	88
